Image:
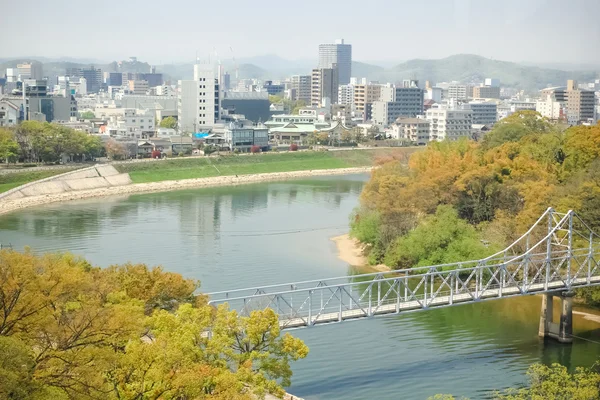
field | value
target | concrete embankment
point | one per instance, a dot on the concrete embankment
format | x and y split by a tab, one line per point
96	177
119	186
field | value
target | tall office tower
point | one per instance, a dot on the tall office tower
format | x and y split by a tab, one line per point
337	53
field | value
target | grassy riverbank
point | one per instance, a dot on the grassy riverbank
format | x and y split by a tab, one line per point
13	179
205	167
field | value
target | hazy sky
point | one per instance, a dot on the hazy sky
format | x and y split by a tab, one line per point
160	31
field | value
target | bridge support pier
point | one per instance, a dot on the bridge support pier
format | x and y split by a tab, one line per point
563	330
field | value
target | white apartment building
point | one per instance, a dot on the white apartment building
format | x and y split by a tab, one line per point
449	124
457	91
136	123
484	112
199	100
346	95
9	113
550	108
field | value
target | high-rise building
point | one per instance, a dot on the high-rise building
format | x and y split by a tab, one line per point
138	87
113	78
324	85
199	100
32	70
339	54
93	77
302	85
346	95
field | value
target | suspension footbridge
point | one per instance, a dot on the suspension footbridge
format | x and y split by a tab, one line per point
558	254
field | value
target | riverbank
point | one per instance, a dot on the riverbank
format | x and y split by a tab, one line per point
170	185
350	250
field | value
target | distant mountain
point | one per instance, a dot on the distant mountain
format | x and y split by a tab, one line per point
364	70
465	68
470	68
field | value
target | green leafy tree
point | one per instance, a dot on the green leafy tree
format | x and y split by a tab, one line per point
439	239
9	148
87	115
169	122
556	383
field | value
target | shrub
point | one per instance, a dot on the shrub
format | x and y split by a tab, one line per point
255	149
293	147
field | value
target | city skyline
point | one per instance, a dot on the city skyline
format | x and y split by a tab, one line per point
515	31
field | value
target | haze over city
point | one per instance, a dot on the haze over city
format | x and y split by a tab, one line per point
534	31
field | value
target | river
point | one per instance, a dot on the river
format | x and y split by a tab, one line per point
278	232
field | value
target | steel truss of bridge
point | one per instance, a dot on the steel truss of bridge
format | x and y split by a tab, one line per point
557	254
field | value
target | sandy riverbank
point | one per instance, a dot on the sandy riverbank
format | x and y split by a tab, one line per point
351	251
7	206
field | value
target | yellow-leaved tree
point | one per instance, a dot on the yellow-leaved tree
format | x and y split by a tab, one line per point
69	330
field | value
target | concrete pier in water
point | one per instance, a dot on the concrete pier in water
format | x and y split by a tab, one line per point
563	330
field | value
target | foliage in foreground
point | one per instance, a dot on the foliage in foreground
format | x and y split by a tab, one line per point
72	331
552	382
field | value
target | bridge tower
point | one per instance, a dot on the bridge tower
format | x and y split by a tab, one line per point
563	330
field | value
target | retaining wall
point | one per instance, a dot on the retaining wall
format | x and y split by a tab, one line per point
98	176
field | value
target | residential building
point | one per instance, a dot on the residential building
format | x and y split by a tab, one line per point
414	129
254	106
134	123
324	86
484	112
302	85
577	105
9	113
580	104
486	92
366	94
346	95
456	91
449	123
31	70
434	93
405	101
199	100
337	54
138	87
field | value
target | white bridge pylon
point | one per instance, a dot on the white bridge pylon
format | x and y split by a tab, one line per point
557	254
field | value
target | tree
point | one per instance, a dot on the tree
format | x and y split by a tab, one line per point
9	148
274	99
72	331
169	122
87	115
209	149
116	150
440	239
556	383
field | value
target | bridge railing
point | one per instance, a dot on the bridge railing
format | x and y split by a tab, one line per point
550	264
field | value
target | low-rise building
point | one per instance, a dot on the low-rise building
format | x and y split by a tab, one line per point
415	130
9	113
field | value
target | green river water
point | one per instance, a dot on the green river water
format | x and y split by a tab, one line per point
231	238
